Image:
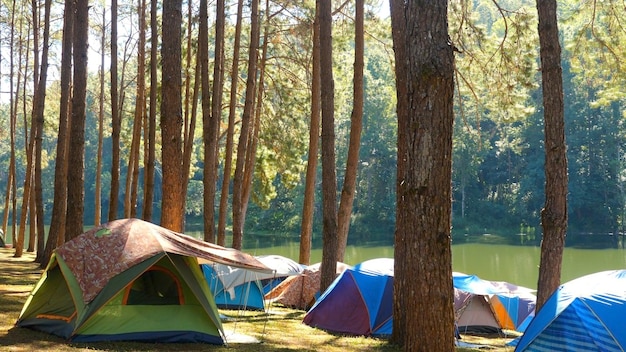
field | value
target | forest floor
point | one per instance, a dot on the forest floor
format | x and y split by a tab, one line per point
278	329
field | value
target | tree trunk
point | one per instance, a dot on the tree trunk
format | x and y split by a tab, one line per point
254	134
132	176
554	213
56	233
14	94
28	193
329	178
151	123
234	76
191	103
75	193
98	187
308	206
173	203
242	146
116	121
352	164
423	313
210	118
38	117
187	80
216	104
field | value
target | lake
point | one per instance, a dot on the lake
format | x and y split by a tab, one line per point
516	264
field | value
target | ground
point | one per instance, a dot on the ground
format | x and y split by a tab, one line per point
278	329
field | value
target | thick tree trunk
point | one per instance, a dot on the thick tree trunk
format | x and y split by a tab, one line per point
423	313
352	164
329	178
234	75
75	178
308	206
173	204
554	213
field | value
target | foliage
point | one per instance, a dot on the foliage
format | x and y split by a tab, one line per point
498	157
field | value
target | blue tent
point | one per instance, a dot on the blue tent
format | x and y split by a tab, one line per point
359	301
246	296
585	314
237	288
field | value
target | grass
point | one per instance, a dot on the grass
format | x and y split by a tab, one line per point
279	329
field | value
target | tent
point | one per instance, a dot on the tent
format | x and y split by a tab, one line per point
300	291
130	280
282	267
482	306
239	288
585	314
514	306
359	301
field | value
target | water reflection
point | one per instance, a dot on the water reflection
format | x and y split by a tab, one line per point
487	256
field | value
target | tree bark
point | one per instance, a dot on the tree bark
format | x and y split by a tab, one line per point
244	136
28	193
151	123
98	187
423	314
75	178
191	103
173	204
306	229
554	213
132	175
38	118
211	109
253	142
116	120
329	178
14	96
234	76
32	208
356	126
216	101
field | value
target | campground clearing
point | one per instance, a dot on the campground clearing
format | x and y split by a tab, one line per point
280	329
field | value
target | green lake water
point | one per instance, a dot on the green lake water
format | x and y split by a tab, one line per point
515	264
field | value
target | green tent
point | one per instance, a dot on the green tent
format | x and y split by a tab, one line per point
130	280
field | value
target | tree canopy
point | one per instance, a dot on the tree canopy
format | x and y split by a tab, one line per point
498	143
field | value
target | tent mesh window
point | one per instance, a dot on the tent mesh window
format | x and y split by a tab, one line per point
156	286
